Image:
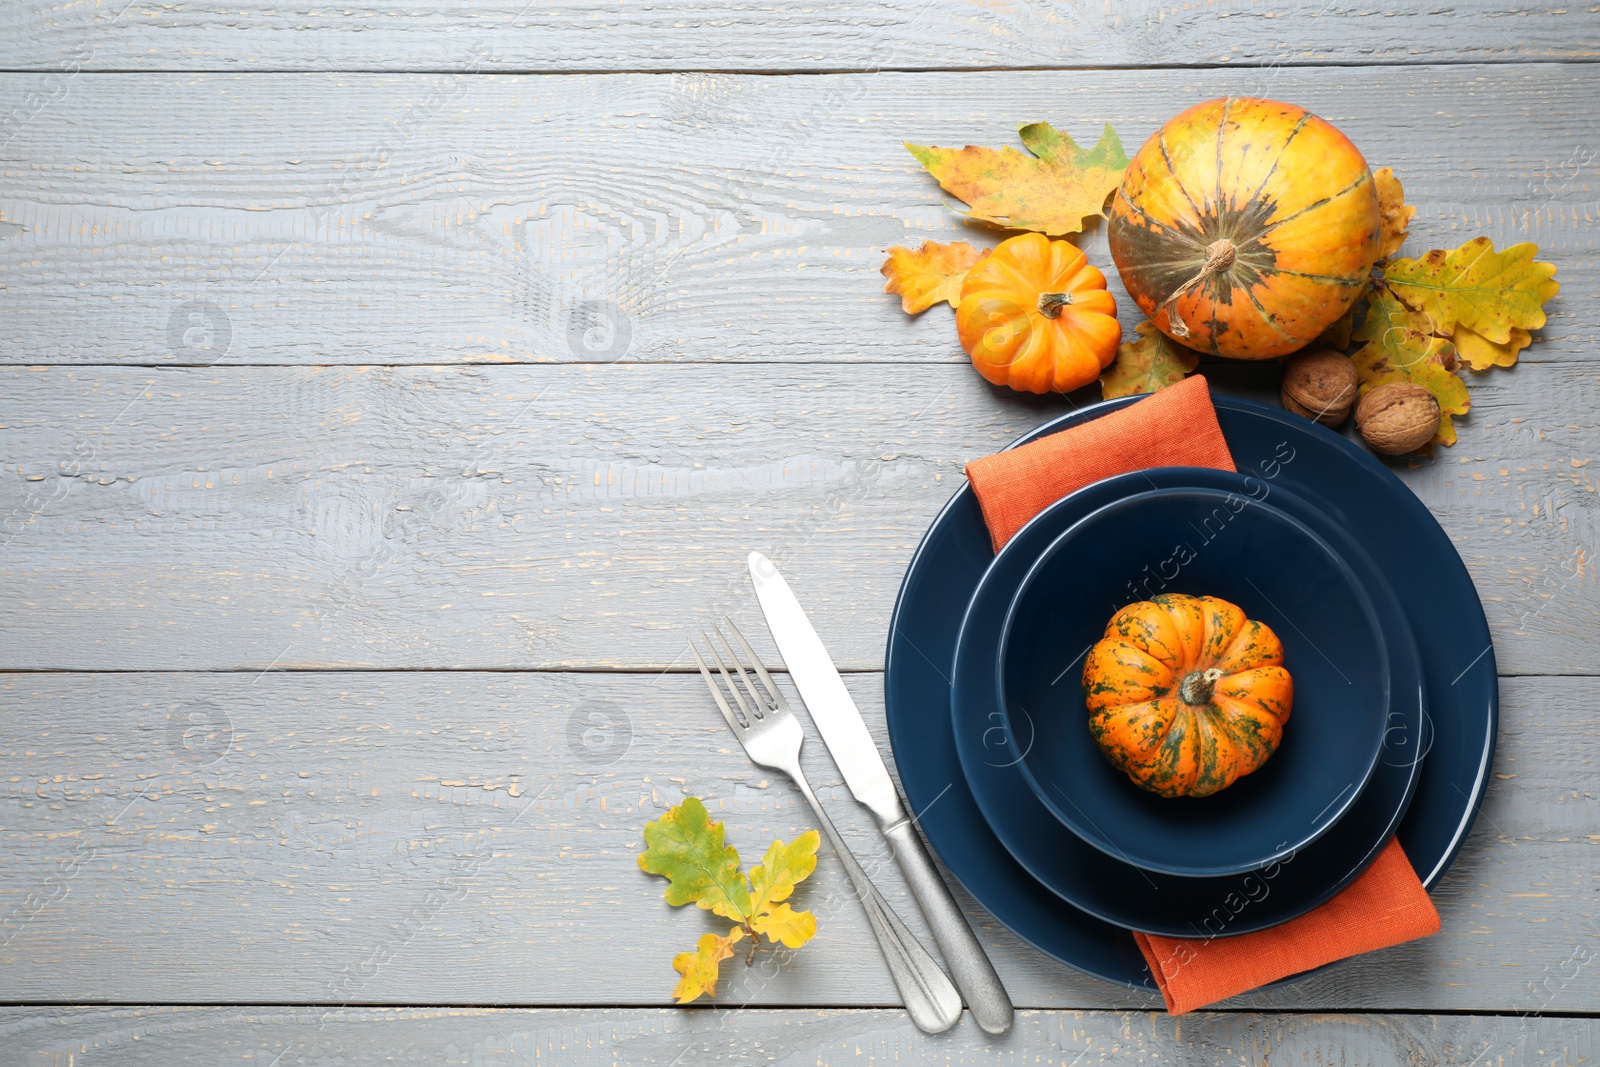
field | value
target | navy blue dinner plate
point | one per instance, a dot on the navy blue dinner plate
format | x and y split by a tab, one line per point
1356	492
1115	890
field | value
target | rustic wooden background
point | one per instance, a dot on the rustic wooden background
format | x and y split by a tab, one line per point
386	391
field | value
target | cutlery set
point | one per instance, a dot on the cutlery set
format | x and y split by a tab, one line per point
760	718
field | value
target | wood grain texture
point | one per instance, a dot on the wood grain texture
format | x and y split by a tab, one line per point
470	838
352	1037
569	35
320	219
559	516
261	444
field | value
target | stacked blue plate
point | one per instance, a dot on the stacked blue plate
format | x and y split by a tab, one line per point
1391	731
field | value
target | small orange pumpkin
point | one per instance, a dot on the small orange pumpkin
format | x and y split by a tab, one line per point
1186	695
1245	227
1036	316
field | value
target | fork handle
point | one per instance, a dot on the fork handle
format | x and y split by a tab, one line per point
930	997
986	996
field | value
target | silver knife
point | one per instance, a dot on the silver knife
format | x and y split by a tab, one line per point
853	749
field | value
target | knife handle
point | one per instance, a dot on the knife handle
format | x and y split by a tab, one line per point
969	966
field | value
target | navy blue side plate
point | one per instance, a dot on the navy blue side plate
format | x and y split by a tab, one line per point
1355	491
1112	889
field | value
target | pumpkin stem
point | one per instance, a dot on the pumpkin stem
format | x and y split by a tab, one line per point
1220	255
1050	304
1197	686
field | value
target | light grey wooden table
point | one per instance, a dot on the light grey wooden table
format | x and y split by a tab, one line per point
388	388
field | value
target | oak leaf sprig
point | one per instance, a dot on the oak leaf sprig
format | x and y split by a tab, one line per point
1421	319
1485	301
685	847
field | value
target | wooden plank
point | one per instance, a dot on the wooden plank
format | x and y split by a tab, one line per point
567	35
319	219
469	838
176	1037
556	517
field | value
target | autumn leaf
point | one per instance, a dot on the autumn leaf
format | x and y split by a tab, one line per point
1488	292
1052	191
1402	347
1393	210
688	849
701	967
931	274
1480	353
784	924
1152	362
781	869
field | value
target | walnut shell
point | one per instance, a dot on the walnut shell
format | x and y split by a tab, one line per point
1319	385
1398	417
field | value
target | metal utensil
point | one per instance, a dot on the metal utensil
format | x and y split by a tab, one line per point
853	749
772	736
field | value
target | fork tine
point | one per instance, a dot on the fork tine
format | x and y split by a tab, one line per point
755	697
733	688
755	662
716	690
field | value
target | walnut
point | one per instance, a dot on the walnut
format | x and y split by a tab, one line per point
1398	417
1320	385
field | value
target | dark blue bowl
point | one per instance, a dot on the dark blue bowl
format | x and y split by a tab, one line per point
1201	541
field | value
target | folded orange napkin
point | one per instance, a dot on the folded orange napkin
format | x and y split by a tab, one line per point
1176	427
1386	905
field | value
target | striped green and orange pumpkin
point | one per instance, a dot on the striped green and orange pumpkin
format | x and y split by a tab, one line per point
1245	227
1186	695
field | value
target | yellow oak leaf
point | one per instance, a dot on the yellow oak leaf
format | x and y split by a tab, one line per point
1152	362
1401	347
701	968
1480	353
686	847
1052	191
931	274
1393	210
780	870
1488	292
784	924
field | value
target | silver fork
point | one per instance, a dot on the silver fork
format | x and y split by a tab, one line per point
772	736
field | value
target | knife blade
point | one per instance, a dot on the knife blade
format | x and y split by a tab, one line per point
856	754
831	706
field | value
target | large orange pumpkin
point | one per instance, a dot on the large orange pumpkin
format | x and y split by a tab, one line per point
1245	227
1036	316
1186	695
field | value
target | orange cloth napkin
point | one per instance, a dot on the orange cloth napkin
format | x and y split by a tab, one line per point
1176	427
1386	905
